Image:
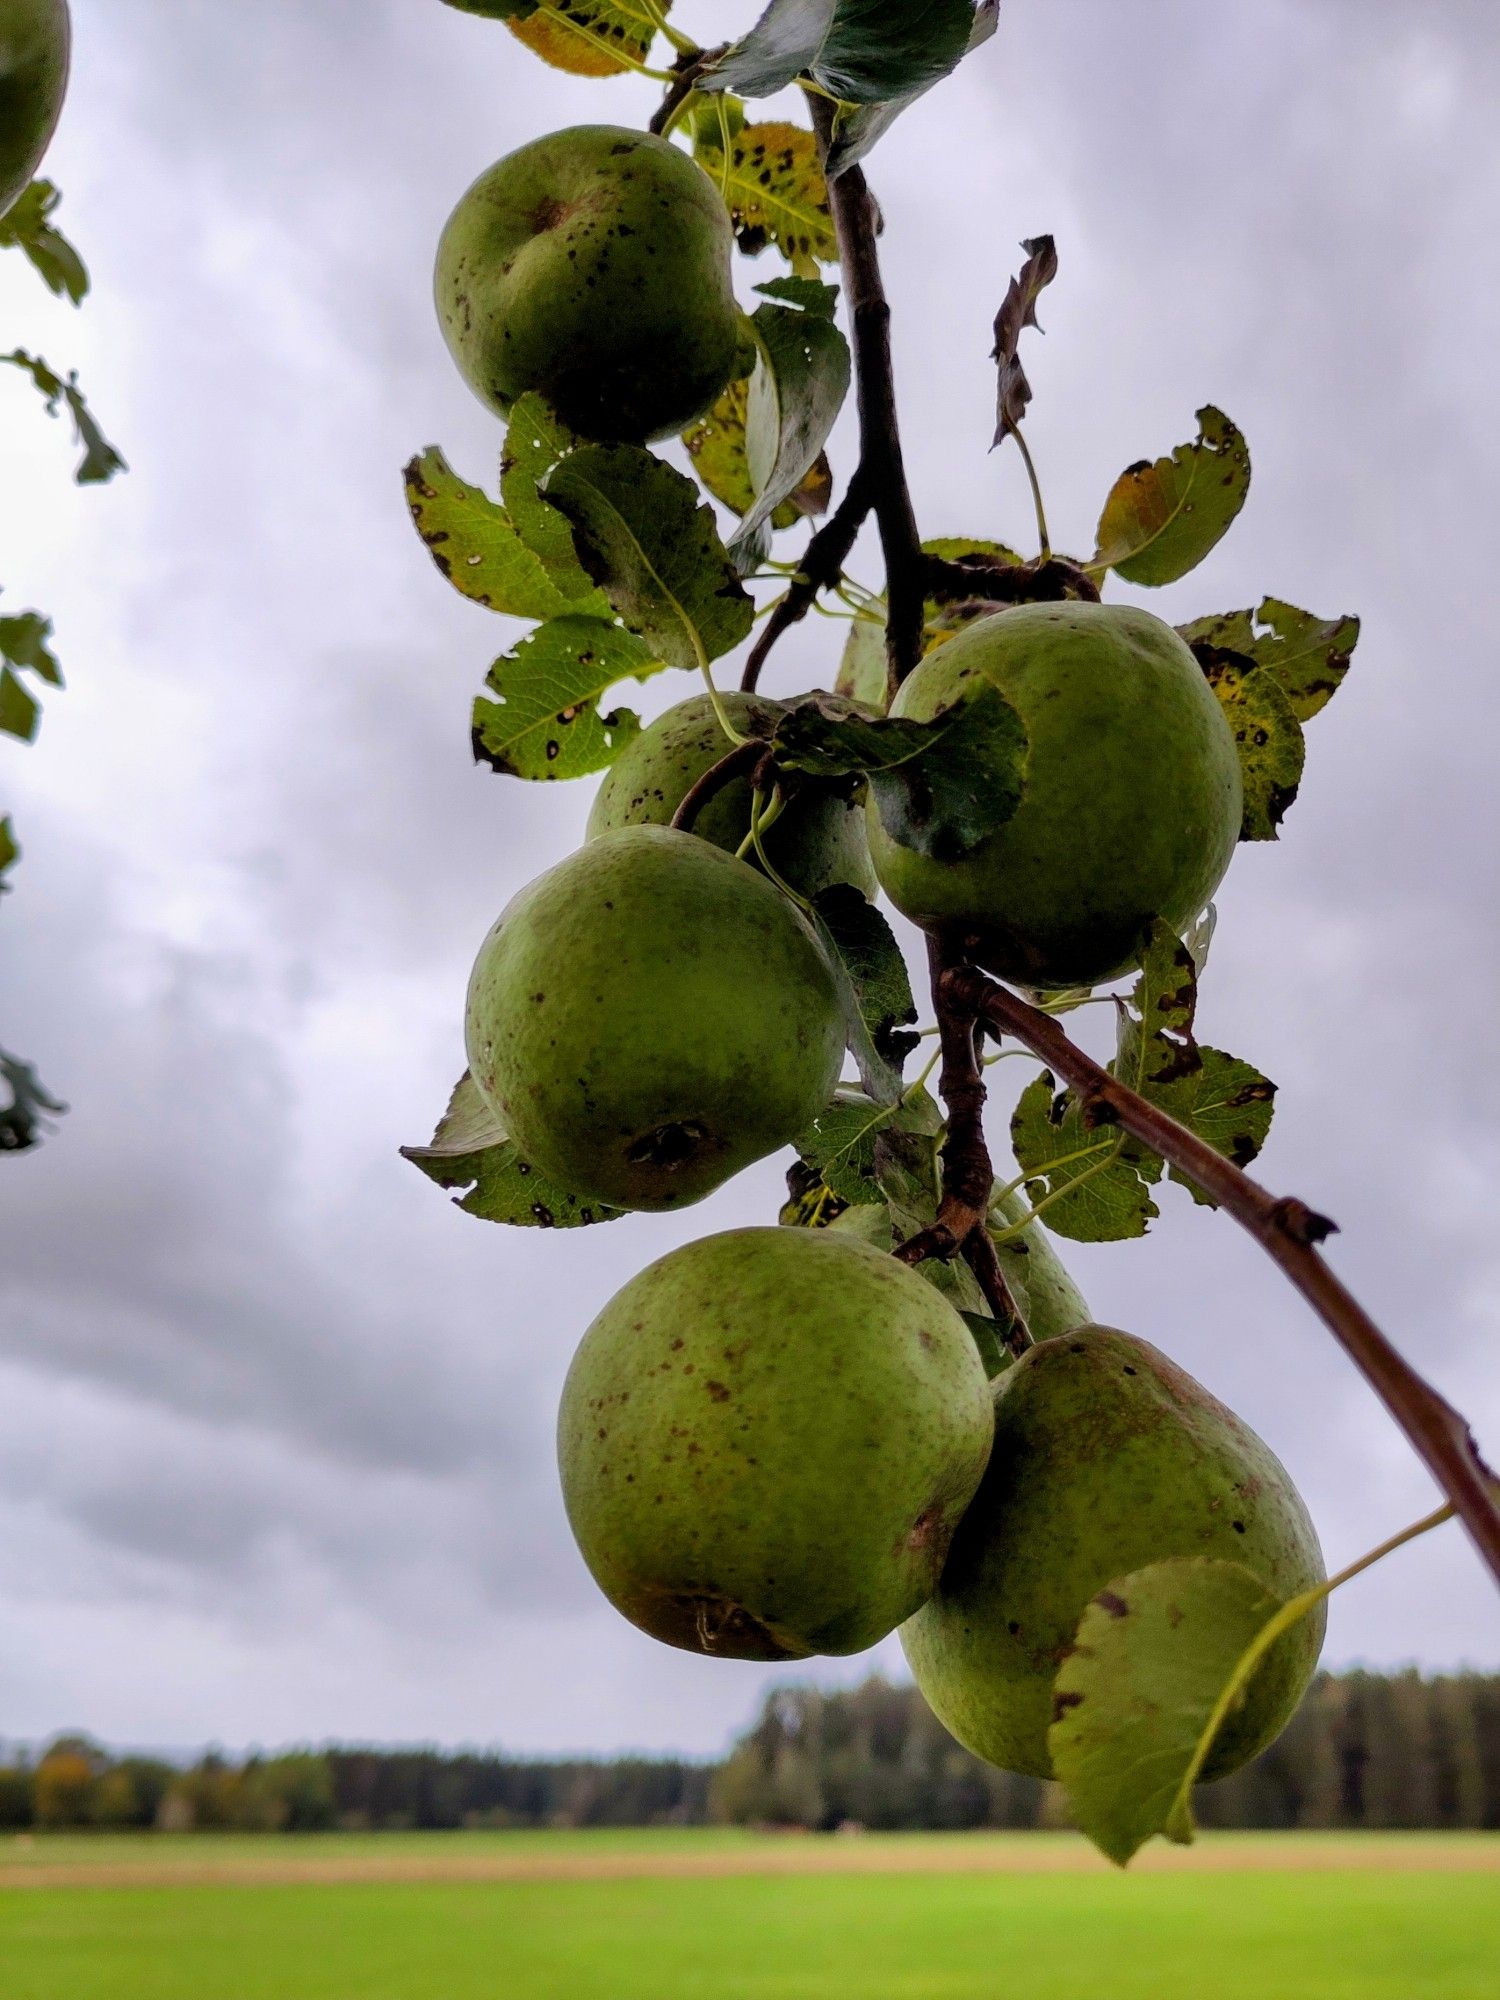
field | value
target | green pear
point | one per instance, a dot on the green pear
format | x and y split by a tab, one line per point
767	1440
818	841
1132	799
650	1017
594	266
1107	1458
35	41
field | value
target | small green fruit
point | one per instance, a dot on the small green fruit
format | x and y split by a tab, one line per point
767	1440
1107	1458
593	266
1132	799
650	1017
35	42
818	841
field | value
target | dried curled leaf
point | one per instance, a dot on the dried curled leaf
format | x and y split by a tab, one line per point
1016	314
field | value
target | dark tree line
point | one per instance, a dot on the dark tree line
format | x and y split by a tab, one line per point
1365	1750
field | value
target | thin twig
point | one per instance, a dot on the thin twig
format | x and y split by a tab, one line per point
742	758
822	566
962	1224
690	71
988	580
881	459
1287	1229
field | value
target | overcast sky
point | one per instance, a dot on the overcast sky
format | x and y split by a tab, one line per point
276	1420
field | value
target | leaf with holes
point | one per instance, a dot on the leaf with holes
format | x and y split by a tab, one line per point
801	379
1087	1185
653	549
470	1151
474	544
774	189
100	461
1017	313
544	722
1156	1044
840	1147
1161	520
873	984
1309	656
1134	1695
1267	736
27	226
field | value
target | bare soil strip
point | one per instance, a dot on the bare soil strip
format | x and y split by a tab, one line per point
1043	1856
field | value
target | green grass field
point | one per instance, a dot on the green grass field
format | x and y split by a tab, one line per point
495	1916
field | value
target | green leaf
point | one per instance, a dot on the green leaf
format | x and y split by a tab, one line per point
940	787
1309	656
471	539
1161	520
10	852
100	460
874	986
986	1334
31	1110
24	648
19	709
27	226
1156	1043
654	551
1086	1185
861	51
470	1151
544	721
809	295
773	186
841	1146
860	127
1134	1696
536	442
965	787
1267	736
1225	1102
801	379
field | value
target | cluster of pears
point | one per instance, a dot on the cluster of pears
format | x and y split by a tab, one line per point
35	43
778	1442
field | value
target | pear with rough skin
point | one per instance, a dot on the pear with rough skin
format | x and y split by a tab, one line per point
650	1017
35	44
817	842
1107	1458
594	267
767	1440
1132	800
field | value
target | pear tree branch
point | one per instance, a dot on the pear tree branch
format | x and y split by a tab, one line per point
1287	1230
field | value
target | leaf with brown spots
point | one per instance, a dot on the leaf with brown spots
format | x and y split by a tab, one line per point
1225	1102
1133	1698
1309	656
1088	1185
774	190
544	721
475	545
1162	519
470	1151
585	37
1267	736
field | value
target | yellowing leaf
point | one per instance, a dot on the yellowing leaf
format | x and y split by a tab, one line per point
1162	519
589	37
775	192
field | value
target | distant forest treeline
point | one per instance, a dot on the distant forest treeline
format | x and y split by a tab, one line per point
1365	1750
